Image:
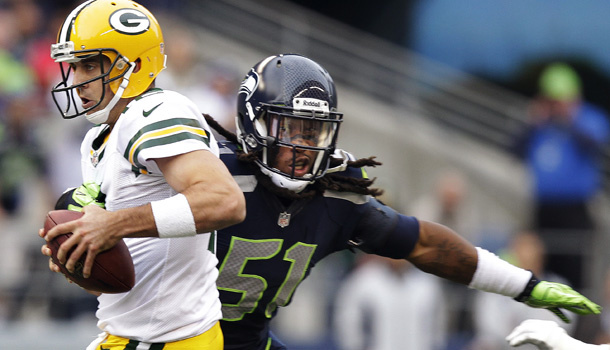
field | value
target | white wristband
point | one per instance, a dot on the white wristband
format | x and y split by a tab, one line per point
174	217
498	276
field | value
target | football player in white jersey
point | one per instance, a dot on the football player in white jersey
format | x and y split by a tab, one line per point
166	192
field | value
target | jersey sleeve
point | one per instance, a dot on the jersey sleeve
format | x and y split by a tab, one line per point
382	231
379	229
161	127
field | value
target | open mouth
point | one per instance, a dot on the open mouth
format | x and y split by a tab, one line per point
301	166
86	103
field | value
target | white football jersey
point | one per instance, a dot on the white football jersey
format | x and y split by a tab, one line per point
175	295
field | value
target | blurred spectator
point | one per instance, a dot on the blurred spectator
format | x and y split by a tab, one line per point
211	85
26	75
184	72
495	317
63	149
35	49
384	304
17	86
449	205
29	139
221	90
561	147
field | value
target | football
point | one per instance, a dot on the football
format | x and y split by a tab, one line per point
112	270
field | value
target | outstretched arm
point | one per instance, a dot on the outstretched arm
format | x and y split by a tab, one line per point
442	252
438	250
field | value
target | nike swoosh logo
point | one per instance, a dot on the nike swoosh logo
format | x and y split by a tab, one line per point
147	113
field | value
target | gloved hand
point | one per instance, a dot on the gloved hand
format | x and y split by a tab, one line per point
552	296
547	335
76	198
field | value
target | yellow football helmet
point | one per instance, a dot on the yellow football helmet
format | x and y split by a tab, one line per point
121	30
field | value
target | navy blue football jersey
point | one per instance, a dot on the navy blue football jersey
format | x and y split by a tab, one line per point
263	259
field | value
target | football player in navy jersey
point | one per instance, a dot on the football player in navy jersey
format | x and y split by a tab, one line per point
305	200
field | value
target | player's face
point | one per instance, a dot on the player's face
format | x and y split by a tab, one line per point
92	92
294	160
300	161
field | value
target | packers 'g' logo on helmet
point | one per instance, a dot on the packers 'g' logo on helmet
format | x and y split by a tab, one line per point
129	21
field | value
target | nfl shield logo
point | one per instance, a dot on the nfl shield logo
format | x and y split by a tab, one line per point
283	220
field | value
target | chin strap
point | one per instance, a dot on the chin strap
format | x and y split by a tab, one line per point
101	117
283	182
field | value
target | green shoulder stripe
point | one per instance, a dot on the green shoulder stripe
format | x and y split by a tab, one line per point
158	126
164	132
163	141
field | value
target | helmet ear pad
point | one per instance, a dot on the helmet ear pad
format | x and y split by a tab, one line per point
141	78
118	68
150	65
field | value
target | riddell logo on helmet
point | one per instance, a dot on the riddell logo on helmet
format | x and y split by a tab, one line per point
310	104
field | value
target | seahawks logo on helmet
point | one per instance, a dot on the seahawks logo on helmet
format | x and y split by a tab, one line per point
129	21
249	85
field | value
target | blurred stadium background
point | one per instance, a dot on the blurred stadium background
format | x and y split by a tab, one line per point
427	86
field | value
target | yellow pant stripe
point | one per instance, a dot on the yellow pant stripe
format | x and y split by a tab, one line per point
210	340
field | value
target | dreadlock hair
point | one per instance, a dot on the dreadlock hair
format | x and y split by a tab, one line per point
333	182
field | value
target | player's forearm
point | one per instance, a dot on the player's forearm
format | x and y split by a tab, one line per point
214	198
133	222
218	207
204	212
444	253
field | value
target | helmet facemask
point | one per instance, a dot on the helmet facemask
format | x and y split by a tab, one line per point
116	76
301	140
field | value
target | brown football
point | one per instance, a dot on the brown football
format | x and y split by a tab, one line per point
112	271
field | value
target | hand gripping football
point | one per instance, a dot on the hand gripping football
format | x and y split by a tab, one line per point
112	270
